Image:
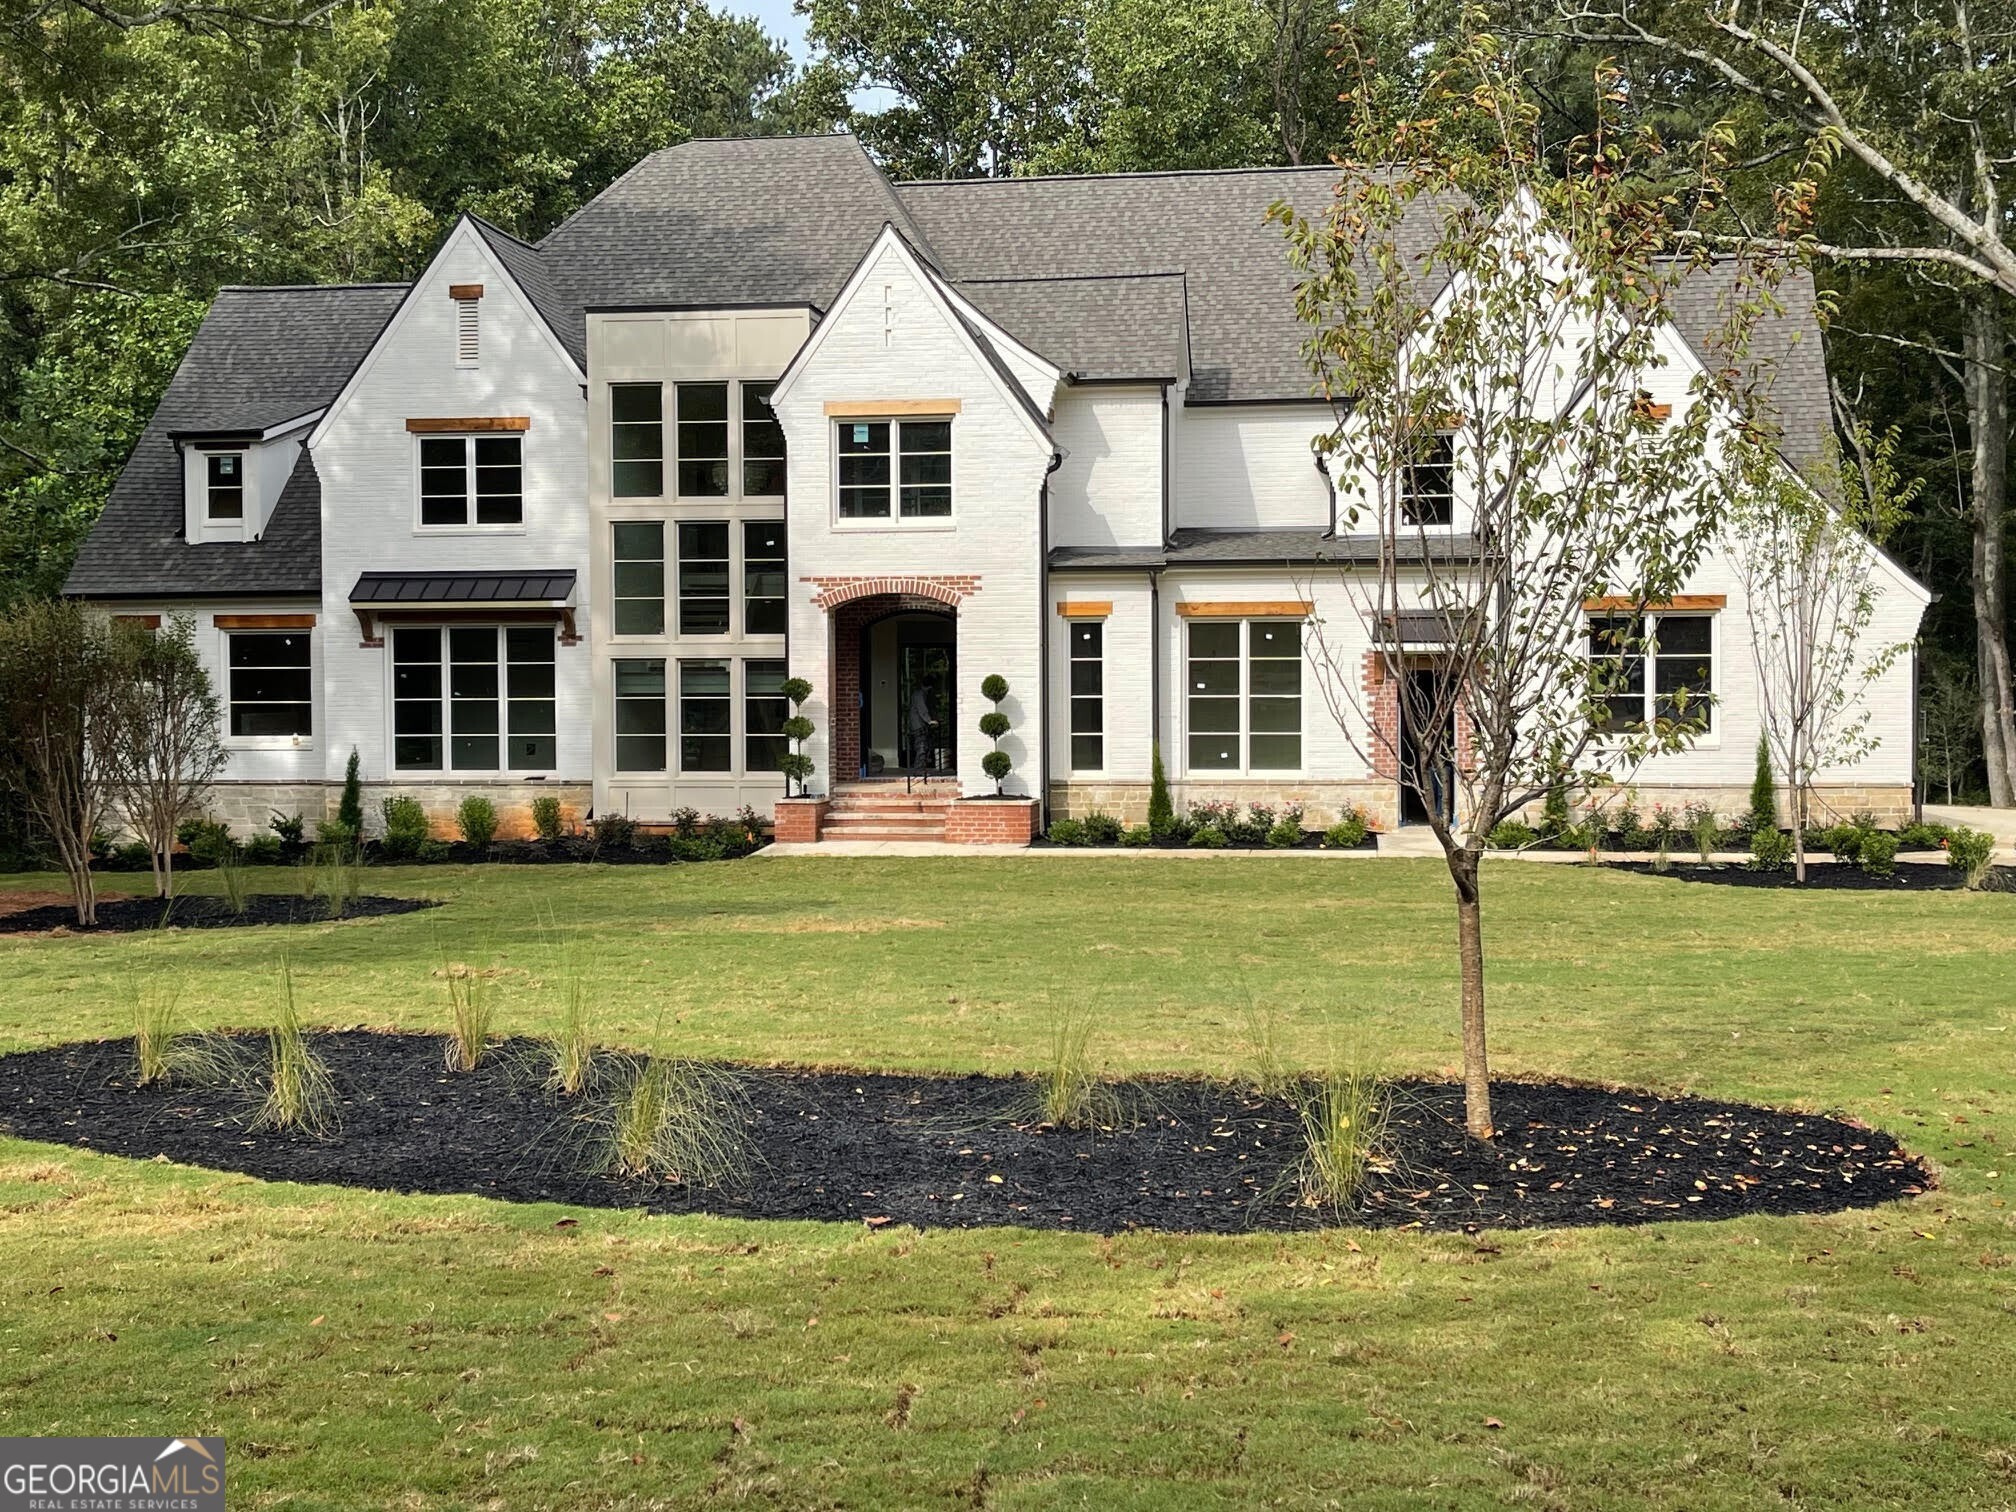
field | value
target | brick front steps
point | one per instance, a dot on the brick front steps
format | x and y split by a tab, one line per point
927	809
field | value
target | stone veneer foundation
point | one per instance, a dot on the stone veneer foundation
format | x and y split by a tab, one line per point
247	807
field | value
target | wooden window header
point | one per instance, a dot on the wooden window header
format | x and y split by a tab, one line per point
465	291
1236	609
456	425
879	409
1086	608
1680	603
144	621
265	621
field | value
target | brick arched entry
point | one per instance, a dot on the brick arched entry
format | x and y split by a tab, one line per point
850	621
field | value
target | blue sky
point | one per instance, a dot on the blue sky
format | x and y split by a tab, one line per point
777	19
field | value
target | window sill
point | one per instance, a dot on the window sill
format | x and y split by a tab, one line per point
469	530
268	743
891	527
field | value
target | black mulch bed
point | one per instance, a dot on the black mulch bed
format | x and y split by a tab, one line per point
960	1151
1311	840
1910	876
131	915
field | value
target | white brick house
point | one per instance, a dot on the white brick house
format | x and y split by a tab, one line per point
562	518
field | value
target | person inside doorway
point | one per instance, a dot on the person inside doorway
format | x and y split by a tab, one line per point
923	720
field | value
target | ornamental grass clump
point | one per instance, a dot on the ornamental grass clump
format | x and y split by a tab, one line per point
472	1010
1344	1124
231	877
569	1052
300	1096
678	1121
1069	1091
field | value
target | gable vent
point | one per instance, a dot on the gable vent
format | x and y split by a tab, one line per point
468	332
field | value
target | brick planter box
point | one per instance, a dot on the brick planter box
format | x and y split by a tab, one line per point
798	820
991	821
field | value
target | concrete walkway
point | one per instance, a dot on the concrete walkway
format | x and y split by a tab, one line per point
2001	823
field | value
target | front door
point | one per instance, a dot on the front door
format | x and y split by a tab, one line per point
1427	766
927	738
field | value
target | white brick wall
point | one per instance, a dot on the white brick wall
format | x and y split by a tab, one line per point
1249	467
1108	492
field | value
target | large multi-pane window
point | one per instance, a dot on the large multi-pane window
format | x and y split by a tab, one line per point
474	698
270	683
703	577
763	604
762	444
703	440
638	547
764	710
1429	497
1244	695
706	716
1678	653
472	480
640	715
224	480
637	440
898	469
1088	695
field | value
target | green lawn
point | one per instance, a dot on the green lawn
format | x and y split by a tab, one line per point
364	1350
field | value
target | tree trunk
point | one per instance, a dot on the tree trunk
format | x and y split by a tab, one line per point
1470	952
1988	420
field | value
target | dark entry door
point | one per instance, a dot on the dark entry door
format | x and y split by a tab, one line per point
1427	766
927	729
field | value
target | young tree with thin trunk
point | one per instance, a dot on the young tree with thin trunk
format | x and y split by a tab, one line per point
1487	329
1804	551
165	742
58	689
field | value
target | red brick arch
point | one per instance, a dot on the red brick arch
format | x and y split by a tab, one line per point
948	590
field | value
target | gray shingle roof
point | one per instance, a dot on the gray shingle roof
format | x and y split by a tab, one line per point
1254	548
260	357
535	275
548	586
1105	327
1785	356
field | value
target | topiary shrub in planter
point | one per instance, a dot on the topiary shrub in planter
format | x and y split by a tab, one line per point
1770	850
795	764
994	724
1208	837
406	828
546	817
477	819
1069	832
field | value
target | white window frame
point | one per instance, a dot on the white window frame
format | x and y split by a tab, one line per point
1245	768
446	698
895	519
469	525
269	742
1408	495
1709	739
248	498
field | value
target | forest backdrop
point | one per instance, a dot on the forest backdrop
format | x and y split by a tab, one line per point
152	153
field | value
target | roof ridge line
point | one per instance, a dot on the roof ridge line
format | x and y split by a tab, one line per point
298	288
1132	173
1075	277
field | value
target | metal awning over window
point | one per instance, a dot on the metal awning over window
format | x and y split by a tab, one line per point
444	597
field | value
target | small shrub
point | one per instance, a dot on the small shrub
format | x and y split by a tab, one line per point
1923	836
617	831
1161	812
289	829
1138	837
350	807
432	850
1632	835
1102	829
1664	825
1878	854
209	841
299	1093
1511	834
1662	859
335	835
406	828
1208	837
1252	830
686	821
132	856
1069	1093
477	819
1285	835
1971	853
1770	850
678	1121
264	849
1763	791
1554	815
1344	1121
472	1009
1843	840
1703	829
546	817
1349	832
1068	832
710	847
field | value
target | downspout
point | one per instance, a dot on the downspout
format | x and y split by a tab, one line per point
1042	796
1917	744
1154	659
1330	488
1168	461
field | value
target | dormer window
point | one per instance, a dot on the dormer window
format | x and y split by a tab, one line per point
224	490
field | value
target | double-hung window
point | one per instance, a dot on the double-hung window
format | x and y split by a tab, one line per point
636	440
1660	667
639	579
1088	696
224	486
472	480
703	440
474	698
1428	496
1244	695
703	577
894	469
270	683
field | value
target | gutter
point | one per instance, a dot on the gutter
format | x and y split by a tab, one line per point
1168	461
